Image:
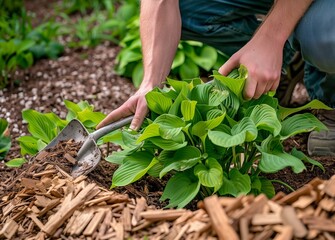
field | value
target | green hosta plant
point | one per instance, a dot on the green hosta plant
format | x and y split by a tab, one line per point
44	127
191	57
13	54
101	25
208	140
5	142
21	44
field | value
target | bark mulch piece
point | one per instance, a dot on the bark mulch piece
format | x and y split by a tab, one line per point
48	202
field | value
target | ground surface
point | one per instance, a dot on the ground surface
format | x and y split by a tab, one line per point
87	74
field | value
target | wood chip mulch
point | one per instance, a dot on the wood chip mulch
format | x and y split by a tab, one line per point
50	203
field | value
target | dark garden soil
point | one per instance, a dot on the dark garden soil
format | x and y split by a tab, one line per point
87	74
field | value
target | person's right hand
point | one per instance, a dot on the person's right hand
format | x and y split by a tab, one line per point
136	105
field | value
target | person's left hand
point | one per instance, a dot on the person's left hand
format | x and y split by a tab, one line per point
263	58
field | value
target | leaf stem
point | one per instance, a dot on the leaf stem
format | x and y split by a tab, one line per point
284	184
234	156
190	137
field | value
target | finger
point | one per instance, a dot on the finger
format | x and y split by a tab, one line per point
260	90
115	115
228	66
141	112
249	88
274	85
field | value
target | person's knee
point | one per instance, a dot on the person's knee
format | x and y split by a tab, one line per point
320	52
316	35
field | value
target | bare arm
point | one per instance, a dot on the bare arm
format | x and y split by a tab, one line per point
263	54
160	28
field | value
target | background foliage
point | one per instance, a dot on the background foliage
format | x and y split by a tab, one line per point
87	24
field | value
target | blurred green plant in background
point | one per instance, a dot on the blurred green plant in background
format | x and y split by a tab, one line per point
21	44
88	23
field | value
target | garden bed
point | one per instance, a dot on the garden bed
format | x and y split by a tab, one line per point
34	197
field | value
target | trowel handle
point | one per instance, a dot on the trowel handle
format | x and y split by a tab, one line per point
111	127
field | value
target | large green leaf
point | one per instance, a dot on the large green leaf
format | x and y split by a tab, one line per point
178	60
300	123
201	93
265	117
271	144
40	125
41	145
184	158
188	109
303	157
244	131
3	126
207	58
170	125
213	150
128	55
28	145
133	168
114	137
189	69
181	189
84	104
267	188
157	102
57	120
117	157
72	108
264	99
90	119
177	85
5	144
235	184
217	96
276	161
175	108
152	130
130	139
156	169
234	82
210	174
201	128
314	104
231	103
247	126
16	162
169	144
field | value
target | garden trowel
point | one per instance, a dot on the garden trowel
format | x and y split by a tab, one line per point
89	153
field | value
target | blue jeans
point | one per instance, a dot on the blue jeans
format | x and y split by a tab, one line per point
229	25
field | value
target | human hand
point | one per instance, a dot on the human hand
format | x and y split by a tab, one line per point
136	105
263	59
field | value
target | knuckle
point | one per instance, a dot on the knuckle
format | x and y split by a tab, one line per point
271	75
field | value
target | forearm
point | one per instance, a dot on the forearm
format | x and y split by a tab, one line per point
160	28
282	19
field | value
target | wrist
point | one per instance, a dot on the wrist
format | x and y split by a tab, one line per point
150	82
266	35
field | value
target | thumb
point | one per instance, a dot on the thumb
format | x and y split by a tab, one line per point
228	66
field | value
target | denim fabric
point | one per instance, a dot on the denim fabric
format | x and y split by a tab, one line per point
315	38
229	25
